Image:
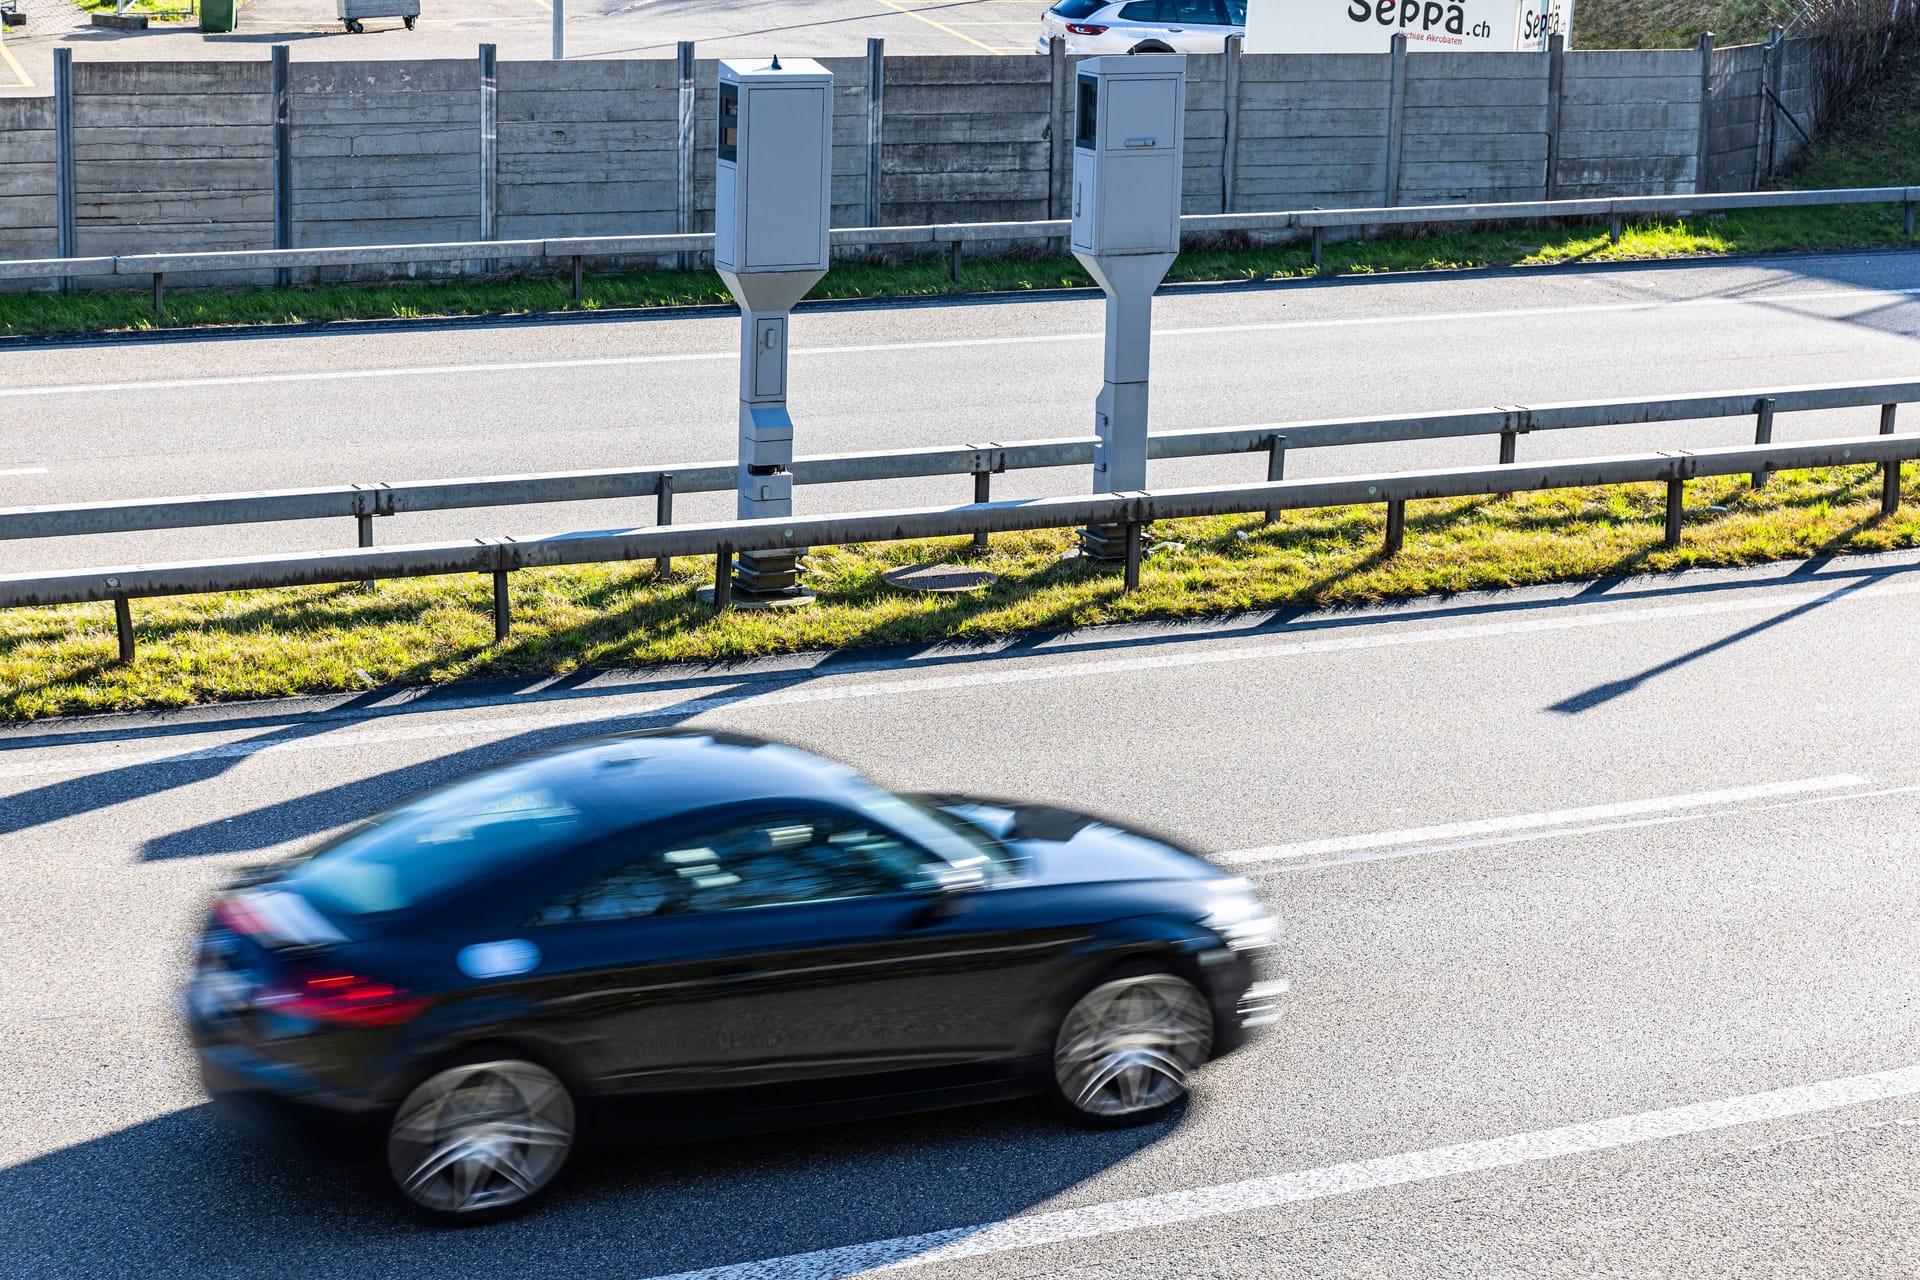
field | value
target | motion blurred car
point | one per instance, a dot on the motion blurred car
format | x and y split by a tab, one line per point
1144	26
675	934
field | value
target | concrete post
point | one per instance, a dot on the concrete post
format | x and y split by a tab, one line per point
876	122
559	30
1396	113
1556	93
282	158
1701	182
489	145
1230	143
64	200
1059	132
683	172
1764	121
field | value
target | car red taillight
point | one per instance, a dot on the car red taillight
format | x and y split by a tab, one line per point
346	999
1086	29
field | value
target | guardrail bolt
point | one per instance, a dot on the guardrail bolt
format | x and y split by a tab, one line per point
123	624
1676	490
982	492
502	607
1396	528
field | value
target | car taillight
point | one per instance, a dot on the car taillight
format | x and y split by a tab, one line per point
346	999
1085	29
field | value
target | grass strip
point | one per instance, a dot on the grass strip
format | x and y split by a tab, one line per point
308	640
1746	232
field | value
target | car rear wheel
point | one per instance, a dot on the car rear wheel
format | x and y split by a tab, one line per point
481	1140
1125	1048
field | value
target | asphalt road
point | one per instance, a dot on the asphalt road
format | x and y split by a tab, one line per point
1599	909
120	419
523	29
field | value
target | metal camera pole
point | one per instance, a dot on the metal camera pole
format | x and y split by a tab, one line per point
1130	126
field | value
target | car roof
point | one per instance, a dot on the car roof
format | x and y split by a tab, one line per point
661	772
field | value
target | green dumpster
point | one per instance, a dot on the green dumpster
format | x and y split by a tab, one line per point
218	15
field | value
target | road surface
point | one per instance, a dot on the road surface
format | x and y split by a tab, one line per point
1599	908
119	419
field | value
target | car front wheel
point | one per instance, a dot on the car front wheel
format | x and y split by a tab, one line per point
1125	1048
481	1140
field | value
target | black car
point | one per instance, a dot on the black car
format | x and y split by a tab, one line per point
664	935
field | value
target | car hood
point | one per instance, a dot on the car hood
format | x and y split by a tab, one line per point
1066	846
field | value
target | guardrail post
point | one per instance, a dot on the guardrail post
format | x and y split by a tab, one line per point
1676	490
1396	527
1276	469
876	122
1613	229
1509	446
579	277
489	146
1396	115
1890	469
1556	91
1763	434
1319	243
1131	581
1702	146
282	157
1764	122
723	578
982	493
1906	223
363	526
123	627
683	165
663	514
64	200
953	261
159	292
1230	142
502	607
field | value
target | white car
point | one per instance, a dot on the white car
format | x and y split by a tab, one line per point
1144	26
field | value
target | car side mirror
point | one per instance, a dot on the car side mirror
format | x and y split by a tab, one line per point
947	880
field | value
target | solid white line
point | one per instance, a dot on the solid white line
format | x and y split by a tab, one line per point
519	366
23	471
998	671
1172	1207
1465	831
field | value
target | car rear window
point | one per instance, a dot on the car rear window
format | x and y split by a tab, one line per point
1074	10
446	838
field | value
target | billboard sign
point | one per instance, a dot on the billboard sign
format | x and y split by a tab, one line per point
1369	26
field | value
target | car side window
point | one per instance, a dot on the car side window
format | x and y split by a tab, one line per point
1236	13
791	859
1199	13
639	889
1158	11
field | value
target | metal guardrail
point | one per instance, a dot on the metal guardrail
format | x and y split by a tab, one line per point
501	556
576	249
364	502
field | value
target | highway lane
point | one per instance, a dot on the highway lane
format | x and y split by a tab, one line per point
124	420
1598	854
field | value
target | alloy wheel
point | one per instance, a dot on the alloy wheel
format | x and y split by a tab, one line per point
484	1137
1126	1047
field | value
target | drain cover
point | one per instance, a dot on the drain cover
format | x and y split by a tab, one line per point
938	577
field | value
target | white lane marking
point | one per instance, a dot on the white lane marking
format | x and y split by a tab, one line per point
23	471
585	362
1466	831
1597	615
1171	1207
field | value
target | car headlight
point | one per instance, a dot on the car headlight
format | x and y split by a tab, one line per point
1241	919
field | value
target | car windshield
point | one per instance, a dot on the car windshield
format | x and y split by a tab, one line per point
1073	10
958	842
421	849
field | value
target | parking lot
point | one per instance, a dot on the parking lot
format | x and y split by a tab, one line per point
524	29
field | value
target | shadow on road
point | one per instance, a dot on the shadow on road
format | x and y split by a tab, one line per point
182	1195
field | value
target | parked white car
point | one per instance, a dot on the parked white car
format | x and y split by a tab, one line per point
1144	26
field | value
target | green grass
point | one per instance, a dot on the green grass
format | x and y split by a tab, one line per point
1674	24
159	10
306	640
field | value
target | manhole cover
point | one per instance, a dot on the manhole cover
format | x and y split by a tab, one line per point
938	577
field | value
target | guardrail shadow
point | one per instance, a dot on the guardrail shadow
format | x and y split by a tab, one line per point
181	1194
